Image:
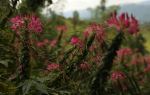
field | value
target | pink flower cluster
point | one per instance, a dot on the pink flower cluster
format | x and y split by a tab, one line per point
147	68
124	52
147	61
32	23
45	42
75	40
117	75
123	21
35	24
53	43
84	66
17	23
53	67
61	28
42	43
136	60
98	29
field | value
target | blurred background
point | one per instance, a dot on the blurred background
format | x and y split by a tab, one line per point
61	22
139	8
98	10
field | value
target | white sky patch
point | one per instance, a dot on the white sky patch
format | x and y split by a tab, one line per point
71	5
118	2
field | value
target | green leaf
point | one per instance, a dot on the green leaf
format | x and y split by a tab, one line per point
4	63
27	86
41	87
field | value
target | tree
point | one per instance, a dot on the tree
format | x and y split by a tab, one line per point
101	13
75	19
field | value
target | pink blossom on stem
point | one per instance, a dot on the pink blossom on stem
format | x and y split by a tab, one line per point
87	32
53	66
84	66
75	40
113	21
98	29
117	75
46	41
133	27
123	21
124	52
53	43
40	44
35	24
147	59
134	61
137	60
147	68
100	33
17	23
61	28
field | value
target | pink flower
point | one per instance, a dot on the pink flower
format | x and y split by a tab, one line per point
113	21
98	29
133	27
87	32
147	59
137	60
45	41
35	24
134	61
84	66
53	66
92	48
61	28
124	52
53	43
147	68
123	21
17	23
40	44
117	75
75	40
100	33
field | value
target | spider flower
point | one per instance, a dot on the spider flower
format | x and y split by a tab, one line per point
124	52
29	22
124	21
53	67
117	75
75	40
98	29
61	28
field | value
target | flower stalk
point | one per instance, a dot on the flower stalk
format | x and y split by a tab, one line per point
100	79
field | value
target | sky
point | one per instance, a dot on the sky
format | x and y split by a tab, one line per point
71	5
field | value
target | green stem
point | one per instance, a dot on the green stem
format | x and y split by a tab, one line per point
100	79
25	58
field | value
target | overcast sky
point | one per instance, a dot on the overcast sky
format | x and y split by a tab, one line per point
71	5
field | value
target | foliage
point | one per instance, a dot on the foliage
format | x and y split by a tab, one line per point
48	56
